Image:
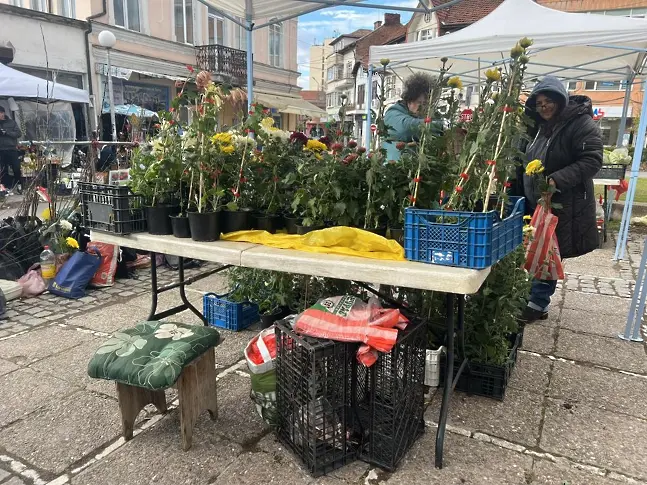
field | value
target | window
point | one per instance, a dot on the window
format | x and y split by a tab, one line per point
589	85
376	90
67	8
216	28
184	21
40	5
127	14
240	36
330	73
276	45
389	86
425	34
349	69
640	12
16	3
605	85
333	100
571	85
361	95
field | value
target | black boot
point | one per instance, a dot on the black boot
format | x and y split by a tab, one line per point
530	315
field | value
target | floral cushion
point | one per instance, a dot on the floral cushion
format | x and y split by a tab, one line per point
152	354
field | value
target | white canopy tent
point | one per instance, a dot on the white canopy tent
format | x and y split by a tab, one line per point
16	84
574	46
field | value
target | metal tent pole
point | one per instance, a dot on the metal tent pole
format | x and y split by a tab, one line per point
625	109
250	54
637	309
635	168
369	98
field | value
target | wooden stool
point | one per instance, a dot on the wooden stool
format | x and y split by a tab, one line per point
196	391
153	356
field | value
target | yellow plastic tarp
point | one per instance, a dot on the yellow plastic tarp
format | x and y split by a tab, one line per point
347	241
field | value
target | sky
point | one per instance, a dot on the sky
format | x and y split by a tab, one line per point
332	22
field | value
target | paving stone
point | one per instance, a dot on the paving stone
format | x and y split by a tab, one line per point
515	419
548	473
595	323
466	462
238	420
3	474
24	391
3	333
63	431
168	299
72	367
111	318
538	338
14	481
609	390
41	343
266	470
530	373
156	456
232	346
215	283
596	304
609	352
596	437
6	367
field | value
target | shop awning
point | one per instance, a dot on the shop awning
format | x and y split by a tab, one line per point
288	104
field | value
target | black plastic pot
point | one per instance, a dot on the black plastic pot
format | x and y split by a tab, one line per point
236	221
291	224
302	230
267	222
181	227
380	231
397	234
204	226
267	320
158	219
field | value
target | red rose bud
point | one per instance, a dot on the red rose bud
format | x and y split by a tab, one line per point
352	144
417	179
251	112
336	147
491	163
361	150
412	199
171	122
275	179
243	180
427	120
266	111
459	189
507	185
464	176
507	109
172	110
190	68
339	133
400	145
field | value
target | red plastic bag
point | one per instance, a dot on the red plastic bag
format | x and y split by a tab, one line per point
260	352
105	275
349	319
543	260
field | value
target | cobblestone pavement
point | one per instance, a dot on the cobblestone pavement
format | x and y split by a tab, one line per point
575	411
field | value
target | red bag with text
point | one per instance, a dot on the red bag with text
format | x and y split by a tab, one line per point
543	260
105	275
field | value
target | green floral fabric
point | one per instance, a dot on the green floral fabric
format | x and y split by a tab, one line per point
152	354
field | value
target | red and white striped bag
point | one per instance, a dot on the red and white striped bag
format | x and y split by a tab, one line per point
543	260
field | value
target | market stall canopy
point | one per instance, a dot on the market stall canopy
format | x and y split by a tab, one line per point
17	84
576	46
288	104
130	109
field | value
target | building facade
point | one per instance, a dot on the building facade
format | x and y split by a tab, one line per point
318	59
158	39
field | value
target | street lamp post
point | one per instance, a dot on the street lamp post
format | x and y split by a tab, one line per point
108	40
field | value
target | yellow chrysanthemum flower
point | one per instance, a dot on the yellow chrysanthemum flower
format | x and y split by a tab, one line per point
71	242
46	215
224	138
455	82
267	123
535	167
227	149
493	75
315	146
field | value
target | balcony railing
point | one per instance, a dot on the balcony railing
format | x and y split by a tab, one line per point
223	61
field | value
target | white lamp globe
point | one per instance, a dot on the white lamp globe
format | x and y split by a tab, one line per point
107	39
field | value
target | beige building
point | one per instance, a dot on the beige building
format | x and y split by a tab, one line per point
318	56
157	39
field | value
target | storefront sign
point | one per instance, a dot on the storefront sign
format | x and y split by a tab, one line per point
598	114
149	96
118	72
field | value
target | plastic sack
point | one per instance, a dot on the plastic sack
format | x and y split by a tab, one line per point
32	283
349	319
260	354
543	260
347	241
105	275
75	275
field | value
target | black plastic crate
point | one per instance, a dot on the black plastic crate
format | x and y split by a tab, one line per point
313	397
389	398
112	208
611	171
485	379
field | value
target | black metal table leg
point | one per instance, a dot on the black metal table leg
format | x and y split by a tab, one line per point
181	284
450	381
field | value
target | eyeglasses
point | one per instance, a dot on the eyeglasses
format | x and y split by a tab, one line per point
546	106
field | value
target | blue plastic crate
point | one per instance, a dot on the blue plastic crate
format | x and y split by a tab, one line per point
229	315
467	239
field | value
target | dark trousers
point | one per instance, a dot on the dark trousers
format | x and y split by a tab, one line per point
540	293
9	158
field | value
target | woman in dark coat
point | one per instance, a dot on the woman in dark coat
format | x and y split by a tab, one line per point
567	141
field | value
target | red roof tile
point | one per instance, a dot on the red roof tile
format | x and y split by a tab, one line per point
465	12
386	34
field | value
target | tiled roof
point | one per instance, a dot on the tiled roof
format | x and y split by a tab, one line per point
359	33
465	12
386	34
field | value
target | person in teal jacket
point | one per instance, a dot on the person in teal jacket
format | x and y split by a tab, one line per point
404	119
